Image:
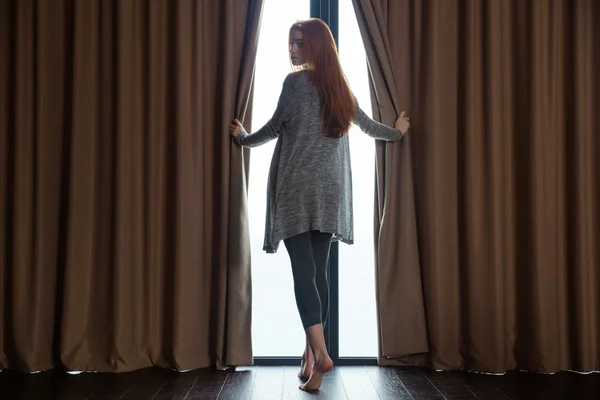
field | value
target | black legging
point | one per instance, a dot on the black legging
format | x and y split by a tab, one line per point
309	255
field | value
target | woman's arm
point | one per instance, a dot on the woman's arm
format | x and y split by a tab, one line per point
375	129
260	137
274	126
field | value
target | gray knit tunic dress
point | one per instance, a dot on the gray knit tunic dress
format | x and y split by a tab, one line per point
310	179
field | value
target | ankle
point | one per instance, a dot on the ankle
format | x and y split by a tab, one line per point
320	356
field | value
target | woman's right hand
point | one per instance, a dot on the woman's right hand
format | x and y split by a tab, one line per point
402	123
236	128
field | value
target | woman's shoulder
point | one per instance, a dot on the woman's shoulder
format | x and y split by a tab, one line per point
295	77
295	81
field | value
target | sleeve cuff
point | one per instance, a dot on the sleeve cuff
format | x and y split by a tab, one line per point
238	139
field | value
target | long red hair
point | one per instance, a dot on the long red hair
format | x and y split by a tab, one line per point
338	109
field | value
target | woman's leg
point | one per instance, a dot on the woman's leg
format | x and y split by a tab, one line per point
321	244
299	248
304	269
323	363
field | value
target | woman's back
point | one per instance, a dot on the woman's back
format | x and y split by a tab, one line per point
310	176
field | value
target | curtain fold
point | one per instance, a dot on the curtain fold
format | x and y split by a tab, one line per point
504	164
122	245
237	336
400	311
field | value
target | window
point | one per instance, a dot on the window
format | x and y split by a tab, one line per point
276	327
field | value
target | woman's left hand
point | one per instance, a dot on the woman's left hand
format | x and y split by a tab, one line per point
402	123
236	128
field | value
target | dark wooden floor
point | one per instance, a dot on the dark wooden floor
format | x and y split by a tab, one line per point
270	383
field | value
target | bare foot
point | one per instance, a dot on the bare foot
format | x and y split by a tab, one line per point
316	378
306	365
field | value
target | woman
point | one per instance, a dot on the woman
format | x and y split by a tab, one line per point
309	202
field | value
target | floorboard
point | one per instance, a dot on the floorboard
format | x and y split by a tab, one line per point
274	383
268	383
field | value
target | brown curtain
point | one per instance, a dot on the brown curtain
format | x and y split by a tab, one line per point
504	159
121	240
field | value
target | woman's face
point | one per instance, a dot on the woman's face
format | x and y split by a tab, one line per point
296	47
